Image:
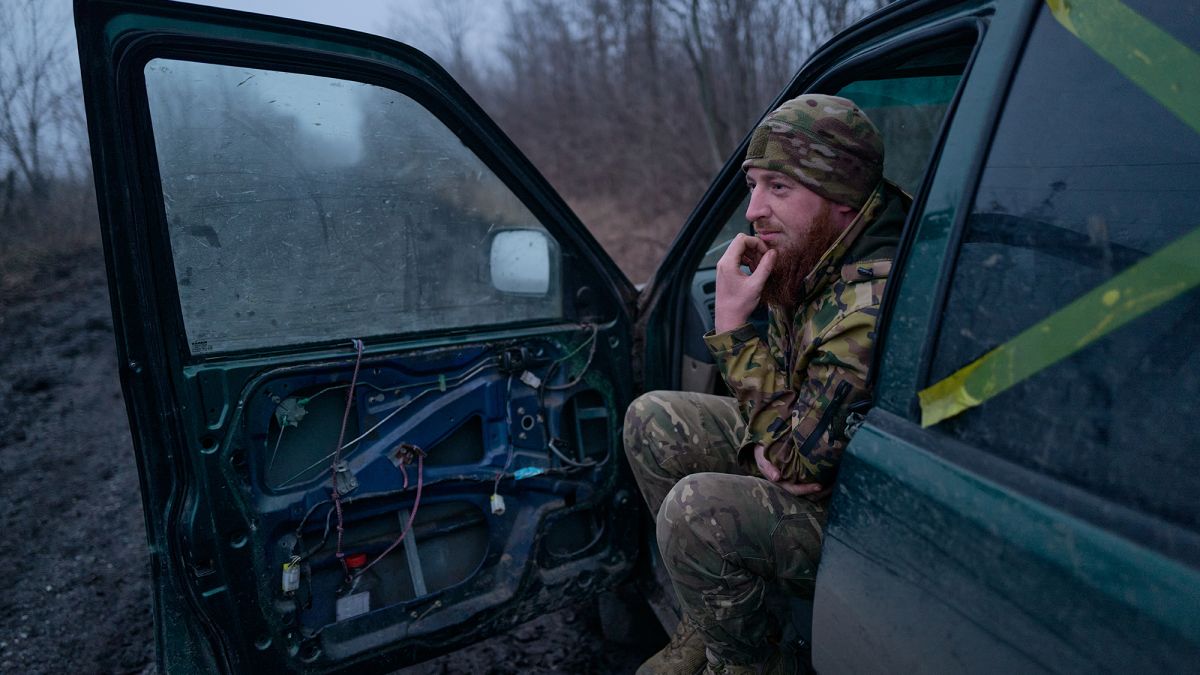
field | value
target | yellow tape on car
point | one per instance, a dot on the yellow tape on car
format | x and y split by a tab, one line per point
1169	72
1140	288
1149	56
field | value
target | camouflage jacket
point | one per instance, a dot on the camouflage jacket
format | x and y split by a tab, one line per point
795	389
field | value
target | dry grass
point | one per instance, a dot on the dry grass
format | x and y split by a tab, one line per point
37	234
636	241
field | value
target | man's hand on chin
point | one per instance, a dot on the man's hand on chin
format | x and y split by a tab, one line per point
739	293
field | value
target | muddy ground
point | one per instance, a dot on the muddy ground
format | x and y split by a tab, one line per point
76	594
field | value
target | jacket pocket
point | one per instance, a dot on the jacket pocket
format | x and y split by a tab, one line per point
839	395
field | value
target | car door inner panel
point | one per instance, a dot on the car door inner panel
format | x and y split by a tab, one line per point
466	477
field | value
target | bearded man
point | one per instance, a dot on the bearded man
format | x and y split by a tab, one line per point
740	485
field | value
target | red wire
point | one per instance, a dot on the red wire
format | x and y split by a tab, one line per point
337	456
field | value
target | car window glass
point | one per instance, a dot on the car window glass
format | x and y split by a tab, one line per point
305	209
1088	174
908	111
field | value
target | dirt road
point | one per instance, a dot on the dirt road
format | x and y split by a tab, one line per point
72	541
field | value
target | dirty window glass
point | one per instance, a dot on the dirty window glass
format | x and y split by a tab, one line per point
305	209
907	105
908	112
1087	175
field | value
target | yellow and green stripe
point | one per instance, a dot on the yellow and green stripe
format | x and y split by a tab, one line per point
1169	72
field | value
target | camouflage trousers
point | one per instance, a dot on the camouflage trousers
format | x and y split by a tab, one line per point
729	540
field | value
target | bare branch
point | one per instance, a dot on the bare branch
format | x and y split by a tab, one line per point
39	91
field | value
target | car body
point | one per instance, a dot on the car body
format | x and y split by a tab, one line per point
356	326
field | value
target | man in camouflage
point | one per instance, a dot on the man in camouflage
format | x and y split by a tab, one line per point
740	485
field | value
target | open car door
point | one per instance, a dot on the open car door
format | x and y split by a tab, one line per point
373	365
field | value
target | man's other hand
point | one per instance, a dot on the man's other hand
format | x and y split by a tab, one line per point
772	474
738	293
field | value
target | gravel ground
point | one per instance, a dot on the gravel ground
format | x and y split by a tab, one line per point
72	539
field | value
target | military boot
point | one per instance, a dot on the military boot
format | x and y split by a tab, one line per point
780	661
683	655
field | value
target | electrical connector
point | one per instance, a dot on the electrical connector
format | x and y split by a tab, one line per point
497	505
530	379
291	575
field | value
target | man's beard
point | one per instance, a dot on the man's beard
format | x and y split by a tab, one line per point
795	261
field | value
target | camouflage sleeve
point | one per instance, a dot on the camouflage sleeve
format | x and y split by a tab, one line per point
753	373
802	427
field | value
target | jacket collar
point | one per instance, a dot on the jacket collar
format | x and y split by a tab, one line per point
828	268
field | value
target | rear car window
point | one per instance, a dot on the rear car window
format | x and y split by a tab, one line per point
1089	174
908	106
306	209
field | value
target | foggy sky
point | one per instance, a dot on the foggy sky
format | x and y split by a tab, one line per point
376	16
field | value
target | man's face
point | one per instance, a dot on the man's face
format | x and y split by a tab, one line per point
796	222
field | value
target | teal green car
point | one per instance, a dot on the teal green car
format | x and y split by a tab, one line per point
375	368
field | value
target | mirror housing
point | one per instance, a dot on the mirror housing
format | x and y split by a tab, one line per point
520	262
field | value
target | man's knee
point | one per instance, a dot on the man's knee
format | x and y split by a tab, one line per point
683	522
649	425
644	412
741	520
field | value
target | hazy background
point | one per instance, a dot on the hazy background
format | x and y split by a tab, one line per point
627	106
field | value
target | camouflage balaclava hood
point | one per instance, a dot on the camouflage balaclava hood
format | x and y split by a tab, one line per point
824	142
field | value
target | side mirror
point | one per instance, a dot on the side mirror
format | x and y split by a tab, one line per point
520	262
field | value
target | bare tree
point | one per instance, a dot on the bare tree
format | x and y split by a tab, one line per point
39	100
697	46
446	31
741	52
822	19
628	106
